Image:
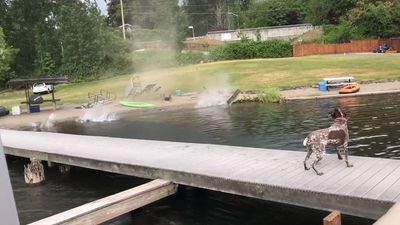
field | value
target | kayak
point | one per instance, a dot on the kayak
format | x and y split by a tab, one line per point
352	88
136	104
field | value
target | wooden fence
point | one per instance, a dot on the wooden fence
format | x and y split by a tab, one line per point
352	47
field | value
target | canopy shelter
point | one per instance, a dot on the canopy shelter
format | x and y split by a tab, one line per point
27	84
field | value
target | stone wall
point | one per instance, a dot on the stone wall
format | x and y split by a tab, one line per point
279	32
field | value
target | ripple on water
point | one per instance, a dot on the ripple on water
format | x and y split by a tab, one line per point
367	128
380	153
369	137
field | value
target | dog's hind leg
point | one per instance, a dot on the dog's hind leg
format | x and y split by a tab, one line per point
314	164
338	154
319	153
309	152
346	155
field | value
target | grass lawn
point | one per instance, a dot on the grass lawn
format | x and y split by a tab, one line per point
242	74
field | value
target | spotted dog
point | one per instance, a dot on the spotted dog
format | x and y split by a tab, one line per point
337	135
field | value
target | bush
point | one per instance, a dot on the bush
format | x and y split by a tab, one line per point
269	95
190	58
341	33
252	49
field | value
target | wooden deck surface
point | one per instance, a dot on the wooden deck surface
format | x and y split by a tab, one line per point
368	189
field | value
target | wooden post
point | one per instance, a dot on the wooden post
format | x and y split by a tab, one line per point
50	164
53	98
334	218
34	172
64	169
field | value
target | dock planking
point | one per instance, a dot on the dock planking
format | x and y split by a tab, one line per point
368	189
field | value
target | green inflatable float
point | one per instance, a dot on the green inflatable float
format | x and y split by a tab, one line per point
136	104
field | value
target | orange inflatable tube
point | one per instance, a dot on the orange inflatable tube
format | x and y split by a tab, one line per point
352	88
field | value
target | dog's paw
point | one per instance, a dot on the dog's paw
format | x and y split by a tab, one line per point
306	168
320	173
349	165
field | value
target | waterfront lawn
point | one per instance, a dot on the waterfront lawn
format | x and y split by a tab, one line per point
243	74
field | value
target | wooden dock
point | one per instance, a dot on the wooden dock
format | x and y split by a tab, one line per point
368	189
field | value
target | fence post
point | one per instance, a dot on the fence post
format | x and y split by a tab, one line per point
8	211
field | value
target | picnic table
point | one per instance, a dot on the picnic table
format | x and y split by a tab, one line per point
338	81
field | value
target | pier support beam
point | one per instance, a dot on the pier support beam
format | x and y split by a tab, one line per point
113	206
334	218
34	172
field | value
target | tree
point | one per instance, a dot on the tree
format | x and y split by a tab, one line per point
89	47
24	22
170	19
327	11
63	36
200	15
376	19
136	12
7	55
273	13
165	16
3	11
209	15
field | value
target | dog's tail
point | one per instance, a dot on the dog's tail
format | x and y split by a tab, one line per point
305	141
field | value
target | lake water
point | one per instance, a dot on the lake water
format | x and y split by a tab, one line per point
374	125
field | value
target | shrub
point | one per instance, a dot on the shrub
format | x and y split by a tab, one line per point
341	33
270	94
252	49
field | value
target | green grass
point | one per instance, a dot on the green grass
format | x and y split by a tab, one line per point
243	74
270	94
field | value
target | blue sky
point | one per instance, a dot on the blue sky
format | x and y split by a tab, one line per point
103	6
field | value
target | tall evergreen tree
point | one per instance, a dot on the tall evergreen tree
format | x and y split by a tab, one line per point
25	19
6	57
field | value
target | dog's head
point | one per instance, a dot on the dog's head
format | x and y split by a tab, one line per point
338	113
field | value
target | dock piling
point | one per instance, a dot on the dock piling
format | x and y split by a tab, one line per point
34	172
64	169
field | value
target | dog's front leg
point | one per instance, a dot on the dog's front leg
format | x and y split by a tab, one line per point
346	155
